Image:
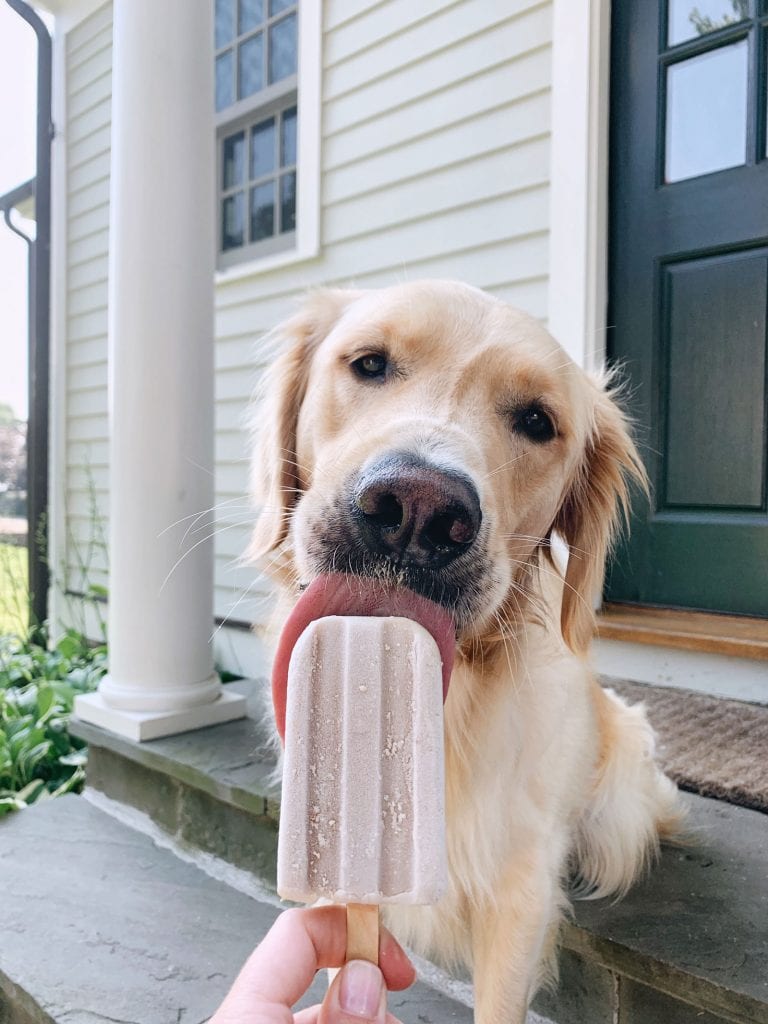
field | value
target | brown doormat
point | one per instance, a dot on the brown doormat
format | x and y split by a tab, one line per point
708	745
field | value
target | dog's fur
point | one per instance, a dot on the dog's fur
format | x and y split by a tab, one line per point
548	776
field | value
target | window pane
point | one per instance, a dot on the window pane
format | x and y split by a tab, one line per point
275	6
234	160
288	202
251	15
251	56
288	138
691	18
282	49
263	211
224	30
707	112
263	148
233	221
225	93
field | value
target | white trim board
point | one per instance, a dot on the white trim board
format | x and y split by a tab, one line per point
578	210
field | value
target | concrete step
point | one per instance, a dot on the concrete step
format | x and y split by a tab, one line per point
99	924
690	944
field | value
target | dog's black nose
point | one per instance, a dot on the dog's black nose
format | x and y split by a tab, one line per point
414	512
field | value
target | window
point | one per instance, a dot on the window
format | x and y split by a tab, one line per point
257	113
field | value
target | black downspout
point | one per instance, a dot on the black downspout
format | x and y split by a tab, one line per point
39	331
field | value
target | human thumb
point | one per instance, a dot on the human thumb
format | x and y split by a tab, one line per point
357	994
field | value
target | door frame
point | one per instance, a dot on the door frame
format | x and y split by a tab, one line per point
578	208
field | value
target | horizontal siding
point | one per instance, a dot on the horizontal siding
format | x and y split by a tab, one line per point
395	75
461	141
435	155
352	29
435	163
88	100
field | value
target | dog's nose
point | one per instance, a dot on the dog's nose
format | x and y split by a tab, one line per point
414	512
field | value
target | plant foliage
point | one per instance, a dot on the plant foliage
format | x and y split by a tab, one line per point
38	757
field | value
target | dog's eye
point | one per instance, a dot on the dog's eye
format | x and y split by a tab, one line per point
535	424
371	367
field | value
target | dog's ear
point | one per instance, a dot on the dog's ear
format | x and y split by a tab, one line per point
592	512
275	476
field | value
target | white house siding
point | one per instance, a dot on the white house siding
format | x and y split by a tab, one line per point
435	163
87	77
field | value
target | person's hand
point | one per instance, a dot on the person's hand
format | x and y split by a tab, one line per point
283	966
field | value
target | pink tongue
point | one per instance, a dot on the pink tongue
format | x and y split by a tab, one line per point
336	594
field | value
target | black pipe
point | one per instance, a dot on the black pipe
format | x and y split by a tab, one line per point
39	331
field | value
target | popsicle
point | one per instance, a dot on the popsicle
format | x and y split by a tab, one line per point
362	814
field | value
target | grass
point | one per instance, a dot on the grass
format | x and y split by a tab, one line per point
13	590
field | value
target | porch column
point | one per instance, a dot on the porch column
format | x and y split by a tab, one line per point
161	678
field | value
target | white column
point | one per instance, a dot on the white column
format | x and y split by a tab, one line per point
161	678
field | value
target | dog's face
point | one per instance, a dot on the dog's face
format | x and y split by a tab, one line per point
431	435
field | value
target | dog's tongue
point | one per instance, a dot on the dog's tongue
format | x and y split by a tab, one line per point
336	594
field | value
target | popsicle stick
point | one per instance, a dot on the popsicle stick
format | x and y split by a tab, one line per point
363	932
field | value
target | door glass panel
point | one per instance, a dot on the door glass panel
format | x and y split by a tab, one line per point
263	148
234	160
251	55
691	18
288	202
282	48
224	22
233	221
288	138
251	14
225	91
706	126
263	211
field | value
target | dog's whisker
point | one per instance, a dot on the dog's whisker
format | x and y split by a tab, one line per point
205	511
243	596
504	465
196	545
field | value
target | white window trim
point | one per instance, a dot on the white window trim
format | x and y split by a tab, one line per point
578	210
309	83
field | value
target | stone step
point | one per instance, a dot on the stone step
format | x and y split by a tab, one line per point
99	924
689	944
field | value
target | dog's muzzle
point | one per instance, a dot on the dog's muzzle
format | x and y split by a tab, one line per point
414	514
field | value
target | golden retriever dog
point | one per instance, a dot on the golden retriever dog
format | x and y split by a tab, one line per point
420	448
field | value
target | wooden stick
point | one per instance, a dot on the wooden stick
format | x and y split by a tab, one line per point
363	932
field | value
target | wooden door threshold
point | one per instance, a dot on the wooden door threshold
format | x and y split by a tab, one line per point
692	631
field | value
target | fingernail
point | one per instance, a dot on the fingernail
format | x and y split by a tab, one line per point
361	989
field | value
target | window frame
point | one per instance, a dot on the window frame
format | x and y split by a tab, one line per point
303	91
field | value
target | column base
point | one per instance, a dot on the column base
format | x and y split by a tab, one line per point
151	725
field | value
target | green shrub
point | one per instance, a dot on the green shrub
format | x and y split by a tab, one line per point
38	757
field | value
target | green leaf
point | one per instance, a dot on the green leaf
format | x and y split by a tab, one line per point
72	783
10	803
76	757
70	645
46	699
31	791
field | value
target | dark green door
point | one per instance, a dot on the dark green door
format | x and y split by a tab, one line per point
688	287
